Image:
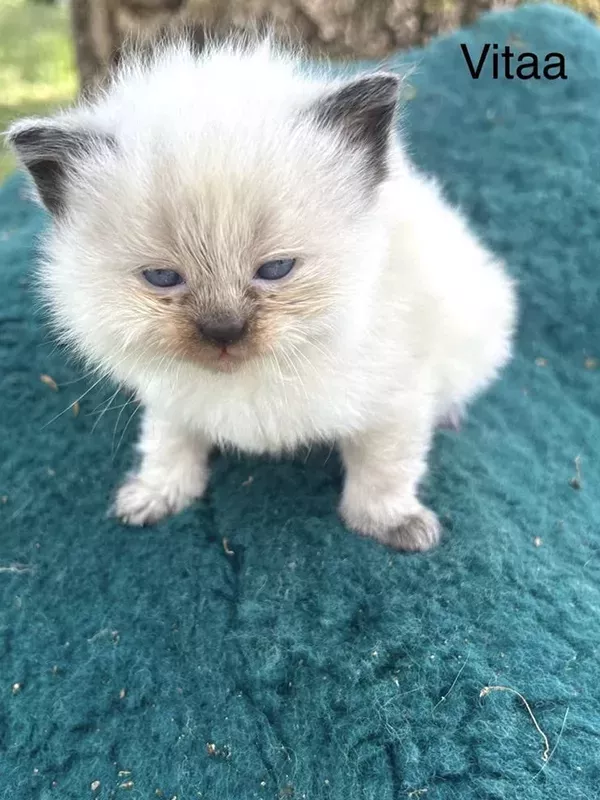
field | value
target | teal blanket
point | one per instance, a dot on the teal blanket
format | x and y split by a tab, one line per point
251	647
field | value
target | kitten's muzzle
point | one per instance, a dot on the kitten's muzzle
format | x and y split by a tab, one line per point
224	331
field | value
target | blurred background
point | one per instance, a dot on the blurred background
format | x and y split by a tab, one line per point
51	49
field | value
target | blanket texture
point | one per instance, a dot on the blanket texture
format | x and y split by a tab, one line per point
253	648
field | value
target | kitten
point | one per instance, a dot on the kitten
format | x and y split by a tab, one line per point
247	247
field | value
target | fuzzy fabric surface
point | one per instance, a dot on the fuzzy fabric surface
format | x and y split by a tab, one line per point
253	648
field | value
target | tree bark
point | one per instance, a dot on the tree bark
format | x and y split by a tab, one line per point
337	28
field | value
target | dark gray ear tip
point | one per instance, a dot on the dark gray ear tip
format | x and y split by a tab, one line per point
50	151
21	137
384	79
18	134
383	86
25	124
38	138
362	111
13	133
27	135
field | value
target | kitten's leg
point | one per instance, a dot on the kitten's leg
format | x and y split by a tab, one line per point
173	472
383	470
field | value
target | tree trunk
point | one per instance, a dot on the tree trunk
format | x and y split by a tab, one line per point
343	28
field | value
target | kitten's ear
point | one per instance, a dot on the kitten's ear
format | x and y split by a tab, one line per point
49	149
363	111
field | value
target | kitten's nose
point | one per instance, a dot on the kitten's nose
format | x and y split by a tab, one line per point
224	331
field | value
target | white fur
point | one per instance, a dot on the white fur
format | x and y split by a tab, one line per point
419	316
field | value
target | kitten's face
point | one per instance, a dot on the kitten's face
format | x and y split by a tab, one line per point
224	235
208	247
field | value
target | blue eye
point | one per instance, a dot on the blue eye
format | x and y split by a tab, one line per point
274	270
162	278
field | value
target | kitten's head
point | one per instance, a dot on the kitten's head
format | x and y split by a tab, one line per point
217	210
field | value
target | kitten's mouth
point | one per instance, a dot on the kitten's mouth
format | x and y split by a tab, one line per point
220	358
226	359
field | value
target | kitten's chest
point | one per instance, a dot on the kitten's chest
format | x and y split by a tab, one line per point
271	416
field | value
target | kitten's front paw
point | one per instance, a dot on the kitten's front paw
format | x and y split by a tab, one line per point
416	531
139	503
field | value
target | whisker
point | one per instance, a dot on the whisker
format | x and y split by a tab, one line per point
75	402
299	354
131	400
123	407
106	407
93	371
114	452
294	368
104	376
113	408
139	405
325	353
275	360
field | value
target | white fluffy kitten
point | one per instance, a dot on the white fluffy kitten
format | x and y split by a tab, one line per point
247	247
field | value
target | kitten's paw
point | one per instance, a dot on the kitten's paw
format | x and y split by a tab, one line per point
416	531
139	503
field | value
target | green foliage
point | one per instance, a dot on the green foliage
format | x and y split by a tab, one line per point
36	63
